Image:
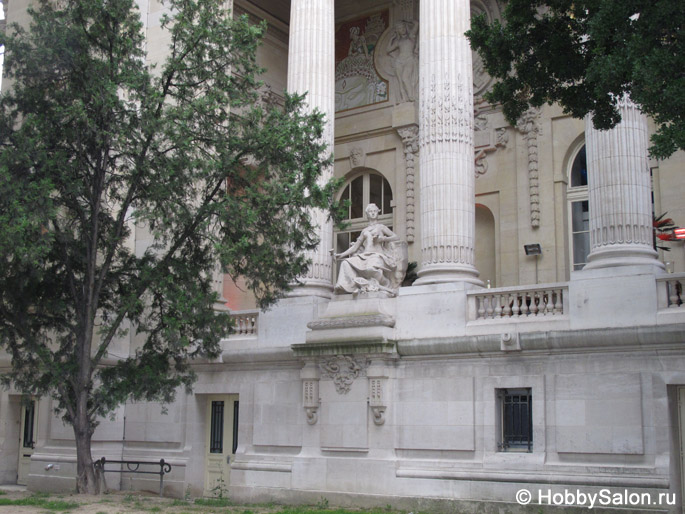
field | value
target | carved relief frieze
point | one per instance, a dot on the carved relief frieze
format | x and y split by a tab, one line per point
404	10
481	79
410	140
357	82
443	113
486	141
268	97
343	370
529	125
357	157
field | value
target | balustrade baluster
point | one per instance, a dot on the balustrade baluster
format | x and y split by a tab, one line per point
526	300
673	296
549	306
481	307
516	306
507	305
498	306
559	305
489	310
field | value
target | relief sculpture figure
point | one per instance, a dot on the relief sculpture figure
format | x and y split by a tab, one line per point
404	48
377	261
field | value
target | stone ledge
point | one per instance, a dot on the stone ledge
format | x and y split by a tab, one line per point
371	320
559	341
659	482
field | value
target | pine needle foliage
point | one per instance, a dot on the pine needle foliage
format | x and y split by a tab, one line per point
94	141
585	55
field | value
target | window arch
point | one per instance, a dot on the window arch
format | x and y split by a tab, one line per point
578	209
360	190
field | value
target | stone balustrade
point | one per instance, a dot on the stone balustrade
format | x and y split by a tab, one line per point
246	323
671	291
519	302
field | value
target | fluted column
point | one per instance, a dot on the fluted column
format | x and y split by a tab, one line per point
311	70
446	144
619	187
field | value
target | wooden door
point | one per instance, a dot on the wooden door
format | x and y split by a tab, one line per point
27	440
221	442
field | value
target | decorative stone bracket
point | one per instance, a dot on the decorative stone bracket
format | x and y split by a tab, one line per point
376	399
310	392
377	374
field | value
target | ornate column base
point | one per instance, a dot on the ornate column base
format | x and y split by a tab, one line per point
320	288
624	255
443	273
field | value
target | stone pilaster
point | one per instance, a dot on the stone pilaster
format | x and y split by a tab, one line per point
446	144
311	70
619	187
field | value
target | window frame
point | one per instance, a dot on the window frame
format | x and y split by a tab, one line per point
576	194
356	225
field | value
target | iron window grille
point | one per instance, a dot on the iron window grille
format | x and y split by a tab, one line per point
516	419
216	436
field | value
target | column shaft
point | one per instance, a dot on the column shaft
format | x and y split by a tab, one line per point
619	188
446	144
311	70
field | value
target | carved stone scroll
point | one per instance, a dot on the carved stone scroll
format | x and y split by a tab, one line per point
410	139
529	126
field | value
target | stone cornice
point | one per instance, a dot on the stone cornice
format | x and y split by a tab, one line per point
373	320
646	338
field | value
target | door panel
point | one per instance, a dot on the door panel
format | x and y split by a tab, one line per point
27	440
221	442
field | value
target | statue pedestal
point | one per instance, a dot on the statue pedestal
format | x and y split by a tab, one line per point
354	320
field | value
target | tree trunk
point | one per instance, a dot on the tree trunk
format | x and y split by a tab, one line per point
86	482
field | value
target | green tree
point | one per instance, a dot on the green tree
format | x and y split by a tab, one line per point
94	141
584	55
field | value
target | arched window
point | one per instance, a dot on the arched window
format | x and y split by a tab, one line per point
579	210
361	190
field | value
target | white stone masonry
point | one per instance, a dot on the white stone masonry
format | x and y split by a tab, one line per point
619	187
311	70
446	144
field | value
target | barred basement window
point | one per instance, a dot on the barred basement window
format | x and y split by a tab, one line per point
216	437
516	408
236	409
29	420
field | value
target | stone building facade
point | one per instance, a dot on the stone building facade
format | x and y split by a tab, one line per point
541	346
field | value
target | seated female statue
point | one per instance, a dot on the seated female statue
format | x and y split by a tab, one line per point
374	262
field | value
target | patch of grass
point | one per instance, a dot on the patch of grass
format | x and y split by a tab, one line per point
60	505
40	501
101	512
213	502
179	503
106	500
2	493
